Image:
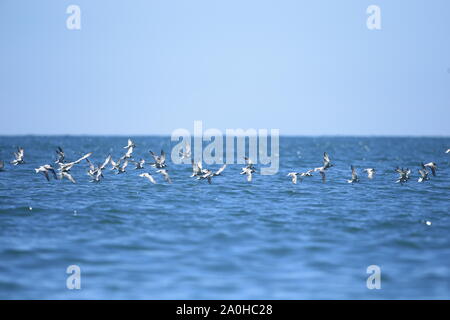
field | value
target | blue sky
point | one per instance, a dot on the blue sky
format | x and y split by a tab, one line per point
149	67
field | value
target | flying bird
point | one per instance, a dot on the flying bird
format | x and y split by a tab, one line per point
165	175
130	144
19	155
293	176
160	161
370	172
139	164
148	176
423	175
61	156
45	169
354	176
249	172
432	167
403	175
196	168
186	153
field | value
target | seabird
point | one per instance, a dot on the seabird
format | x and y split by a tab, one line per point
354	176
139	164
326	161
293	176
130	144
196	168
165	174
128	154
186	153
208	174
61	156
404	175
160	161
97	173
249	172
45	169
69	165
423	175
370	172
19	155
432	167
121	169
148	176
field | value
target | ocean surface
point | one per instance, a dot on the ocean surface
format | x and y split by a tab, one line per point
269	239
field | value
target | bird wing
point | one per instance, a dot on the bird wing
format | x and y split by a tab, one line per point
108	159
83	157
163	156
220	170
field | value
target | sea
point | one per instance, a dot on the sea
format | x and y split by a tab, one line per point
126	238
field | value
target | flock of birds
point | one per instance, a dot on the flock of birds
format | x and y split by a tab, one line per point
96	172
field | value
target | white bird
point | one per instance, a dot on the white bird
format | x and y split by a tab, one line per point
423	175
196	168
186	153
121	169
165	175
370	172
148	176
160	161
128	154
67	166
45	169
97	173
354	176
249	172
19	155
293	176
130	144
432	167
208	174
326	161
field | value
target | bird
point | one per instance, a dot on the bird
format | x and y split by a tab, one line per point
2	166
61	156
249	172
121	169
432	167
67	166
423	175
165	175
370	172
128	154
45	169
115	165
97	172
148	176
67	175
354	176
19	157
139	164
208	174
403	175
196	168
130	144
293	176
326	161
186	153
160	161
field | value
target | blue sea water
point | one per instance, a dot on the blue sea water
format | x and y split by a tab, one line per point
269	239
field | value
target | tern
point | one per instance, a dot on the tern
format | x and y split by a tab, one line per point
293	176
67	166
165	175
354	176
432	167
186	153
19	155
370	172
148	176
96	173
130	144
208	174
139	164
128	154
403	175
160	161
121	169
45	169
423	175
61	156
196	168
249	172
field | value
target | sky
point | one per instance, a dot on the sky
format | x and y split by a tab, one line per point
153	66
